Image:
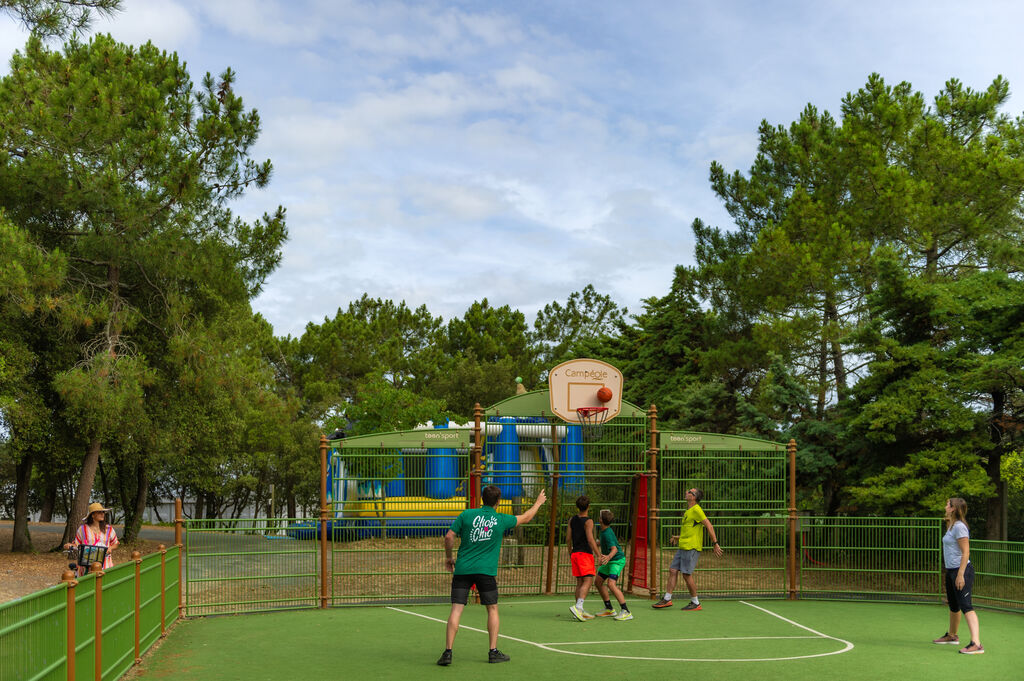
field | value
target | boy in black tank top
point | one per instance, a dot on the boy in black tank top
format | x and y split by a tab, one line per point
582	547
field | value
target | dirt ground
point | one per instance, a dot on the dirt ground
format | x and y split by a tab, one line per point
25	573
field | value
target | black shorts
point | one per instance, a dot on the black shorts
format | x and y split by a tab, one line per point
487	585
960	599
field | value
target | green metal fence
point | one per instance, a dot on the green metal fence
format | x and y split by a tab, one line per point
248	565
111	618
744	485
998	574
871	558
36	623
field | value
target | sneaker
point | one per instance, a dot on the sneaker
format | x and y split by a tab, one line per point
972	649
578	613
623	615
691	606
607	612
947	638
445	659
662	604
495	656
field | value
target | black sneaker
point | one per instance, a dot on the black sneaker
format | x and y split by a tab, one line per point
445	659
495	656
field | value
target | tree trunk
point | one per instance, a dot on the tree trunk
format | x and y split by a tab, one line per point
995	528
133	521
83	492
838	364
22	540
49	500
819	407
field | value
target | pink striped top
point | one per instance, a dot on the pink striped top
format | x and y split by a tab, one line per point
90	537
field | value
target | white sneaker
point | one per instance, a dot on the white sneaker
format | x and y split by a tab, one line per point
623	615
578	613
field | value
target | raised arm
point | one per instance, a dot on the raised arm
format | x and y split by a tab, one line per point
528	515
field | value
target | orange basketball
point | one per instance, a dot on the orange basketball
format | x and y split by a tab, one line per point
604	393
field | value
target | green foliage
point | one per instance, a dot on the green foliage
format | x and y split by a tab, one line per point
562	331
58	18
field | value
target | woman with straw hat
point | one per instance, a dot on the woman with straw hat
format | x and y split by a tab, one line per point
95	532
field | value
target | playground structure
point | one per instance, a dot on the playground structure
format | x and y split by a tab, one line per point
576	437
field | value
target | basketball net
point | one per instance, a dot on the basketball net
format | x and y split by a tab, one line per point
592	422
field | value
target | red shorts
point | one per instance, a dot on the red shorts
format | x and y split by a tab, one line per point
582	564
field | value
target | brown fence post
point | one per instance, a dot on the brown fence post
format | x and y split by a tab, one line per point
179	522
791	450
475	456
137	558
68	577
653	550
98	635
553	517
323	520
163	590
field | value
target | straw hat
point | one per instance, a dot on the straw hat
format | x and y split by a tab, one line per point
93	507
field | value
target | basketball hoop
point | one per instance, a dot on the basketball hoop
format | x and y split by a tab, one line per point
592	422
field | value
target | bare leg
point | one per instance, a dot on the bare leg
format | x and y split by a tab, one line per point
972	626
492	624
670	585
602	589
583	586
954	622
691	585
616	591
453	624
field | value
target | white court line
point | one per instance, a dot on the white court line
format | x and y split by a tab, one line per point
550	648
677	640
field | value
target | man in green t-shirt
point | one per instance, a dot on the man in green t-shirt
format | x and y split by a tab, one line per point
481	531
691	543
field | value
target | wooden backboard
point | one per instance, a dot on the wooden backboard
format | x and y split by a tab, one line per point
575	383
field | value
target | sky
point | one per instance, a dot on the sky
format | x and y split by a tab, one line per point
440	153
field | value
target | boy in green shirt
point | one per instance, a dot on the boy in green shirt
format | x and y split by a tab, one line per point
613	561
481	531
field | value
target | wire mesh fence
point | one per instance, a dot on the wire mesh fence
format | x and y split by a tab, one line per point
248	565
870	558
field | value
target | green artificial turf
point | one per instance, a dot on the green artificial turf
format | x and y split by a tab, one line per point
727	640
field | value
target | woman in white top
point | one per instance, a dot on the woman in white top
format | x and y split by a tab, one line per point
956	554
95	532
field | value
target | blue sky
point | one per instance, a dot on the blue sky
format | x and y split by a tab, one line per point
445	152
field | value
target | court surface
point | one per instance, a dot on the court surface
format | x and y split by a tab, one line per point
728	640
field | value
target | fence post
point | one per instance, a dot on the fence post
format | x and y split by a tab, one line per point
791	451
652	502
68	577
476	453
163	590
98	625
137	559
179	521
323	520
556	466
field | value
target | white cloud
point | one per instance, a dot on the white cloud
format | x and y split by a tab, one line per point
168	24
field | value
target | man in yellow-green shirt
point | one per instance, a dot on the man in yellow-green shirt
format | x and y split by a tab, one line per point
691	543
